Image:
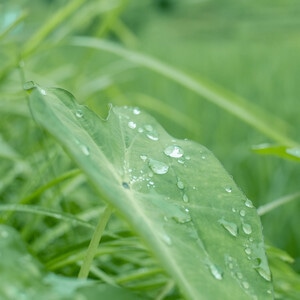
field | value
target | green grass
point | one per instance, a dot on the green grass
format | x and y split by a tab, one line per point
223	75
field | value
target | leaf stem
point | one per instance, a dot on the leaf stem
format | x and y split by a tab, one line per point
91	251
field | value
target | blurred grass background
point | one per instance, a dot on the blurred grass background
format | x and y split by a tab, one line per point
250	48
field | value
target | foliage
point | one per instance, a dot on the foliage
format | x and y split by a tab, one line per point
209	58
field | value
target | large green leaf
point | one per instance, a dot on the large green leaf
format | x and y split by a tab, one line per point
174	193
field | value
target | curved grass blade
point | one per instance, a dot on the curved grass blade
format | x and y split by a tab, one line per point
174	194
239	107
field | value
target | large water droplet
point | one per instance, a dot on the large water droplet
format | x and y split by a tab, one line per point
174	151
230	227
158	167
131	125
216	272
79	113
249	203
247	228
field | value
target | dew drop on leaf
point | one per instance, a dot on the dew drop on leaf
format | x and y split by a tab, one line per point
85	150
174	151
247	250
249	203
3	233
185	198
242	213
230	227
247	228
29	85
79	113
228	189
216	272
245	285
125	185
131	125
136	111
158	167
143	157
180	184
42	91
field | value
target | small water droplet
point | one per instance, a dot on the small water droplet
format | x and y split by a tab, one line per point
79	113
228	189
245	285
181	161
143	157
263	270
152	136
242	213
185	198
166	218
140	130
233	209
136	111
174	151
239	275
230	227
149	128
247	228
203	157
158	167
42	91
125	185
131	125
249	203
248	251
216	272
85	150
180	184
187	157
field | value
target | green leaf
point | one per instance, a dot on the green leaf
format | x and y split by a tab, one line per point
22	277
174	193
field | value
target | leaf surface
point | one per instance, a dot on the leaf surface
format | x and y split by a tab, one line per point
174	193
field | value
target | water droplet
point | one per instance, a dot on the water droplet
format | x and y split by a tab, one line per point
158	167
152	136
245	285
181	161
180	184
131	125
85	150
249	203
140	130
264	274
143	157
248	251
228	189
233	209
203	157
148	128
247	228
242	213
136	111
239	275
79	113
125	185
216	272
185	198
174	151
42	91
187	157
230	227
